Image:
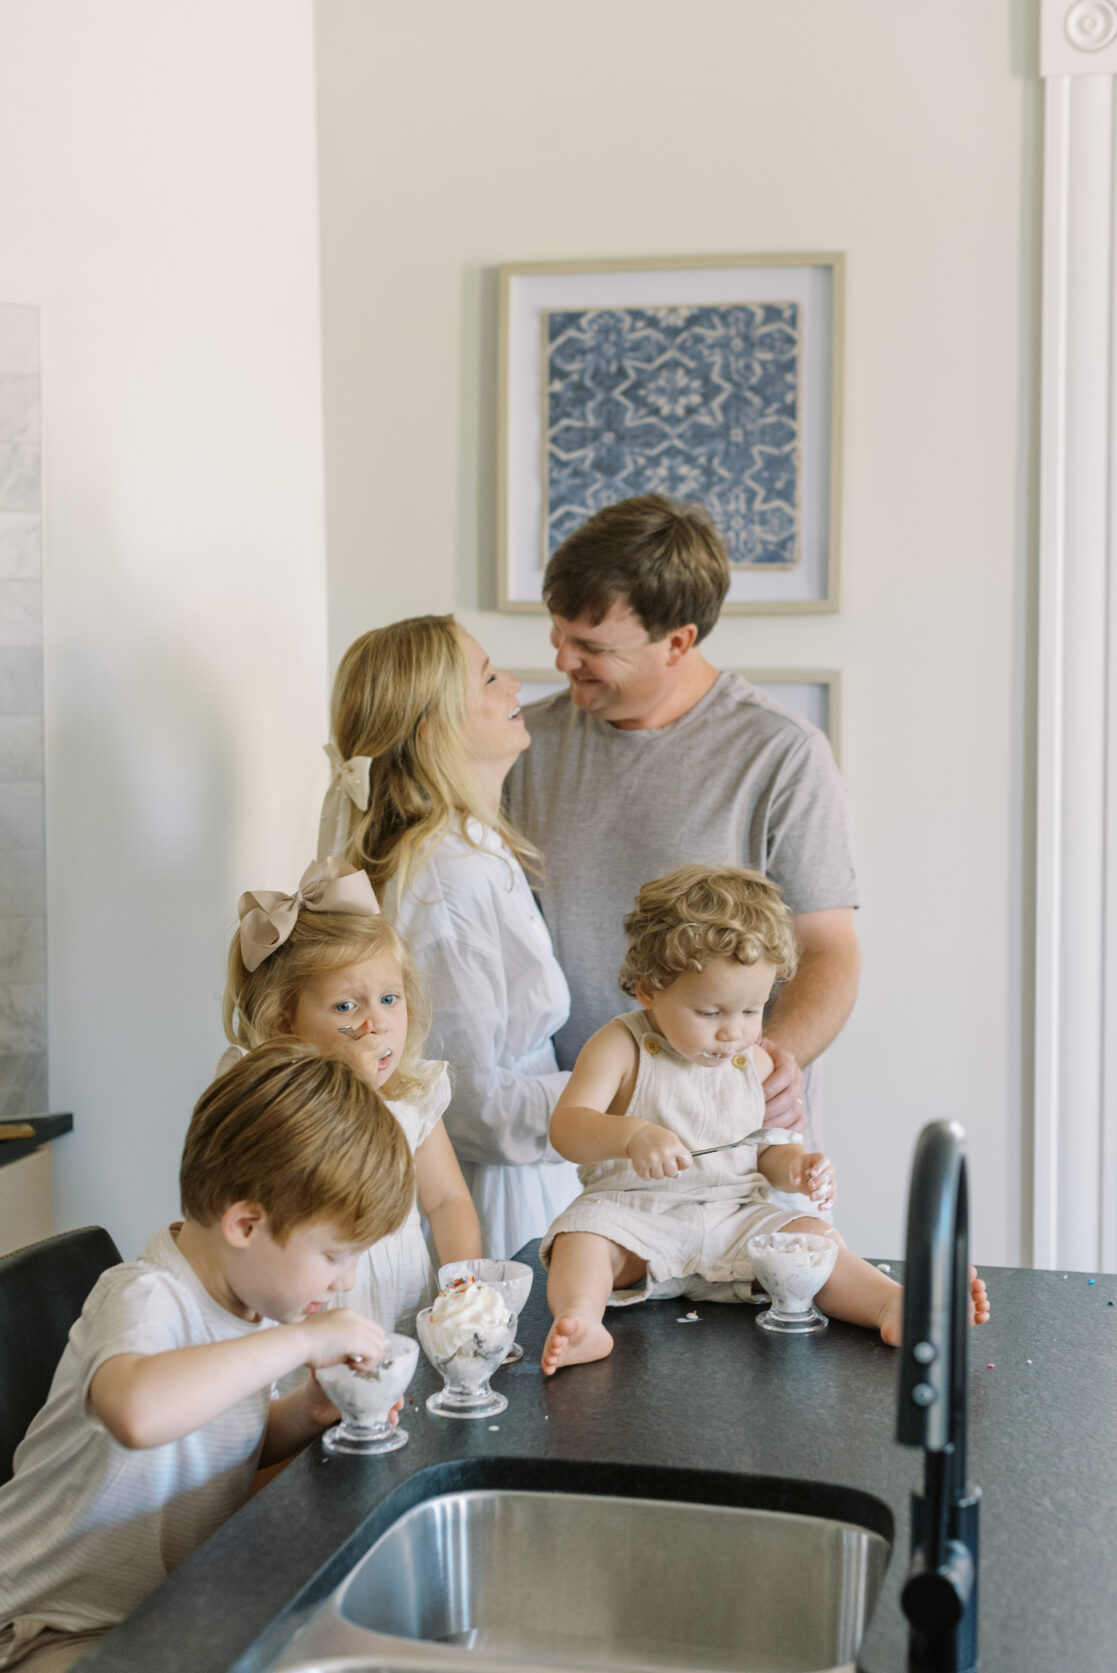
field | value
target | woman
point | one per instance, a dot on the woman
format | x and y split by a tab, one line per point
419	707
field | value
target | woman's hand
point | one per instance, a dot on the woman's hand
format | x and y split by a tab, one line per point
656	1153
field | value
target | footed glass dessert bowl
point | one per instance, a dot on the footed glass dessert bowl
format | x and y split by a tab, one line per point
465	1335
510	1279
792	1267
365	1395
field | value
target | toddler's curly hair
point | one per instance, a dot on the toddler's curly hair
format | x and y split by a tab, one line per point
698	913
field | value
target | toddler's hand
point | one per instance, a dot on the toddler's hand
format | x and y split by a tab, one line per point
813	1174
340	1333
656	1153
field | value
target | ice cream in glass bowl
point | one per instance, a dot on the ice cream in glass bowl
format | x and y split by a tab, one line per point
465	1335
791	1267
510	1279
365	1395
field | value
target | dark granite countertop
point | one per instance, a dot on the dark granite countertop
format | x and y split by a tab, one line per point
720	1396
43	1128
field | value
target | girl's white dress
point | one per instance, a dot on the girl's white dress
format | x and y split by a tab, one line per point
497	995
397	1277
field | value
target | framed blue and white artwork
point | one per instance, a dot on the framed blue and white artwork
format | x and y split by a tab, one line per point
713	378
813	693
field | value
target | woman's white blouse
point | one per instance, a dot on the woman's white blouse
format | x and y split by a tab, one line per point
497	995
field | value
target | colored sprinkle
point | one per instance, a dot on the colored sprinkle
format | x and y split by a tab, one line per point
1093	1280
990	1366
883	1266
493	1427
1027	1362
691	1318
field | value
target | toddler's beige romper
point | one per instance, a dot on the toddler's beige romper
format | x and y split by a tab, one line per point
691	1230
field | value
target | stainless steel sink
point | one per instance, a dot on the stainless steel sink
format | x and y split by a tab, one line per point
504	1578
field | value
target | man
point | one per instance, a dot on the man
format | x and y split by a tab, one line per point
654	758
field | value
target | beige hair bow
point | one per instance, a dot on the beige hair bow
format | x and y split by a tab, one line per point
348	789
267	918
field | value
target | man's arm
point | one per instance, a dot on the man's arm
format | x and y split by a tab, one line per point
810	1010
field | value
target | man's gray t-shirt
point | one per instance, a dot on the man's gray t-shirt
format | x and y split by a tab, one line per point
737	780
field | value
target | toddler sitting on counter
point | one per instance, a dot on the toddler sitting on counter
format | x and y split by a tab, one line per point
680	1076
161	1410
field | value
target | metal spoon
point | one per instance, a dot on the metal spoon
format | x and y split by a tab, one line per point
761	1137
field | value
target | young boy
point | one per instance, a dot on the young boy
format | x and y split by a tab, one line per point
684	1074
160	1410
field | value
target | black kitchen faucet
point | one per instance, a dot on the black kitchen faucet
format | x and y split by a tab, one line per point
940	1594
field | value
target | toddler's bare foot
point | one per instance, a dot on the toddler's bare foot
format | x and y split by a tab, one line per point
892	1314
574	1340
891	1319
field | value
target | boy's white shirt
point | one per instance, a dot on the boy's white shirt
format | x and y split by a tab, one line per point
89	1527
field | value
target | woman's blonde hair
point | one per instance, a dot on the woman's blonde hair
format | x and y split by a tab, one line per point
304	1136
260	1004
698	913
400	697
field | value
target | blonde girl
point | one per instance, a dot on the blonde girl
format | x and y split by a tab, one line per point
323	964
425	730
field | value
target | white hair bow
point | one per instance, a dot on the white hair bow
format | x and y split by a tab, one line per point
348	789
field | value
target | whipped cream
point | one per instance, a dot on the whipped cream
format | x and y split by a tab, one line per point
469	1319
466	1334
792	1266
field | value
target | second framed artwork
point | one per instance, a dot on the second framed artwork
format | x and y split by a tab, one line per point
708	378
813	693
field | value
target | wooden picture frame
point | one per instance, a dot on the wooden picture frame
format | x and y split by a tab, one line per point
711	378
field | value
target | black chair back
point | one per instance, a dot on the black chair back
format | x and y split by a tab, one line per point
42	1291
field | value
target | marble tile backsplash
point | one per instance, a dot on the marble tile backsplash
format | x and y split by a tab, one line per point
23	1088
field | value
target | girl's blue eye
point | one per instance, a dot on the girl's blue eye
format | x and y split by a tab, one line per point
345	1005
390	999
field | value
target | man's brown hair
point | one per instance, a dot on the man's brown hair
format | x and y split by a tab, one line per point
663	558
306	1138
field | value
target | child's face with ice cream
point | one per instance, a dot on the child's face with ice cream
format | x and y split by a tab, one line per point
366	997
711	1015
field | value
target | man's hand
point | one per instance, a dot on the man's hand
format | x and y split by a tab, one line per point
656	1153
783	1090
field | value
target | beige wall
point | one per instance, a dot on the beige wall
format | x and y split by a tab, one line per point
454	138
158	202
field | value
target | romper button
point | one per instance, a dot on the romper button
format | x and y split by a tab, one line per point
651	1044
739	1061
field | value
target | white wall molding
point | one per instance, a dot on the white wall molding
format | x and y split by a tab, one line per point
1075	1131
